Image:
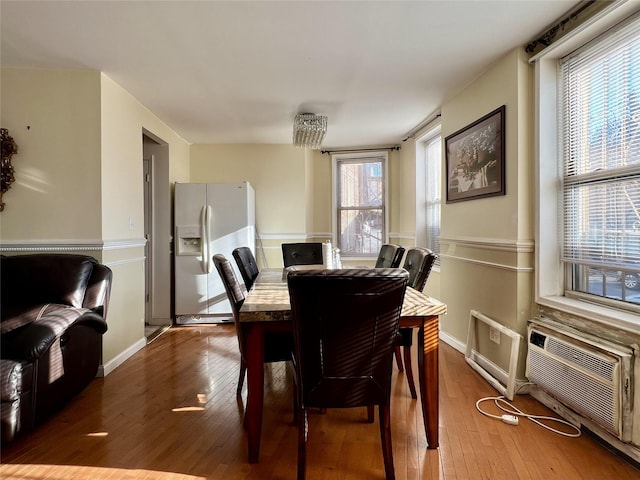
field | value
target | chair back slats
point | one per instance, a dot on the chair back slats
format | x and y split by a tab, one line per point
302	253
278	346
418	263
247	265
390	256
234	293
345	324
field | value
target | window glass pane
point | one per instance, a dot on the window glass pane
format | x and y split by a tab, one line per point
601	168
361	184
360	205
360	231
433	155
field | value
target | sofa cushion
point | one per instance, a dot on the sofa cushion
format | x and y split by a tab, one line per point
44	278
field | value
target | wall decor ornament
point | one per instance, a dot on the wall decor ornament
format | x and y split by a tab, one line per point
475	159
9	148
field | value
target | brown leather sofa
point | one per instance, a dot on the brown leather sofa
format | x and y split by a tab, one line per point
53	309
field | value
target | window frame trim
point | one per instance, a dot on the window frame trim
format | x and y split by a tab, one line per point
424	140
335	158
549	271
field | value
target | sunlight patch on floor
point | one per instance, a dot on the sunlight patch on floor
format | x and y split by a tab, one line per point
35	472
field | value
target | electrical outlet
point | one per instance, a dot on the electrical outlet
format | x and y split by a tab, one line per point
494	335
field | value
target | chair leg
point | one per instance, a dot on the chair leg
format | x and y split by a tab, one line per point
291	368
398	357
369	413
385	437
409	371
303	427
243	370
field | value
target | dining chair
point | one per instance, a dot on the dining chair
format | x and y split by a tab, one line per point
418	263
247	265
278	346
345	324
302	253
390	256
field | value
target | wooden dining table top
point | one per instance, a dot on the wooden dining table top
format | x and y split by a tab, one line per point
269	300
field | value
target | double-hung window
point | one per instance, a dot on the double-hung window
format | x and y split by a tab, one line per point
360	186
433	196
599	148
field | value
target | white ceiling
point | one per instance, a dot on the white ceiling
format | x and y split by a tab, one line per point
238	72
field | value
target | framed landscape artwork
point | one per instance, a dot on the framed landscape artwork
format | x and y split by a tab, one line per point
475	159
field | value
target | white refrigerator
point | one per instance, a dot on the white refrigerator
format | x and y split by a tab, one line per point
209	218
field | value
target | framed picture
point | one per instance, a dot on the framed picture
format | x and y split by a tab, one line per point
475	159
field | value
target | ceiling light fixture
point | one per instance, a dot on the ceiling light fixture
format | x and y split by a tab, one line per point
309	130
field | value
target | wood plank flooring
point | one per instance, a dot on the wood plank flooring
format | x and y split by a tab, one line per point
170	412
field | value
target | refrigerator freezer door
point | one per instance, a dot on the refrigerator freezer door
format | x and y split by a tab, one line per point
190	279
216	218
232	225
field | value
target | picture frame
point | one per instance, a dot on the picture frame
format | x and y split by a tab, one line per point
475	159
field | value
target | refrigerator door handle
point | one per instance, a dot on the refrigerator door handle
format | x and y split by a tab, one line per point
204	239
208	229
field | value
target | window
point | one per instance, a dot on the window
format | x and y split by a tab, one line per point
433	161
599	131
360	203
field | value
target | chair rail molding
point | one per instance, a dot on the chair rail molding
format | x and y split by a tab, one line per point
449	245
500	244
33	246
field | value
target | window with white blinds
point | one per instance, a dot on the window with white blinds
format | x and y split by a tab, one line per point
433	158
600	146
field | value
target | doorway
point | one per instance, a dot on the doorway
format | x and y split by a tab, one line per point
157	233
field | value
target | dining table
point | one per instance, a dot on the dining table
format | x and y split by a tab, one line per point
267	309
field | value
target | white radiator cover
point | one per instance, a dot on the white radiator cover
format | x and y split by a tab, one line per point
591	376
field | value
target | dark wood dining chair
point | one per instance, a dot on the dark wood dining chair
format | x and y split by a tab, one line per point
247	265
278	346
345	324
302	253
390	256
418	263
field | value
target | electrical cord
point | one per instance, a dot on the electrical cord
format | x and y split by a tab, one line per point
512	414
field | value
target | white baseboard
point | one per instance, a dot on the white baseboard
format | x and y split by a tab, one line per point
160	322
453	342
497	372
106	369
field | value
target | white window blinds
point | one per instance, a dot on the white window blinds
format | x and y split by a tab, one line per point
433	157
600	144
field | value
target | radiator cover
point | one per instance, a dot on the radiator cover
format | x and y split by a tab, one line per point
590	376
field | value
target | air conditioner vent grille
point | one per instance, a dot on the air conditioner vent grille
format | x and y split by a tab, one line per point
602	367
585	393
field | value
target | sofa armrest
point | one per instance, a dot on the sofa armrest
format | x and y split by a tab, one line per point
28	343
33	340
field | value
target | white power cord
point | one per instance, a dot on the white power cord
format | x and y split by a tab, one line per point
512	414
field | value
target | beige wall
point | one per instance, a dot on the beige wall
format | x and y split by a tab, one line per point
278	174
79	182
404	193
322	191
54	117
487	244
123	122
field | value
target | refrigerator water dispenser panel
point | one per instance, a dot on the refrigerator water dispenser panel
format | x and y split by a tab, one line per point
189	240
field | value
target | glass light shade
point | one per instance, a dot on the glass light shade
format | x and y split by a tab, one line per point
309	130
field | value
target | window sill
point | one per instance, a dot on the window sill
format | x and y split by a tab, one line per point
612	317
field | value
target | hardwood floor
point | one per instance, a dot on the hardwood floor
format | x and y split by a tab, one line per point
170	412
